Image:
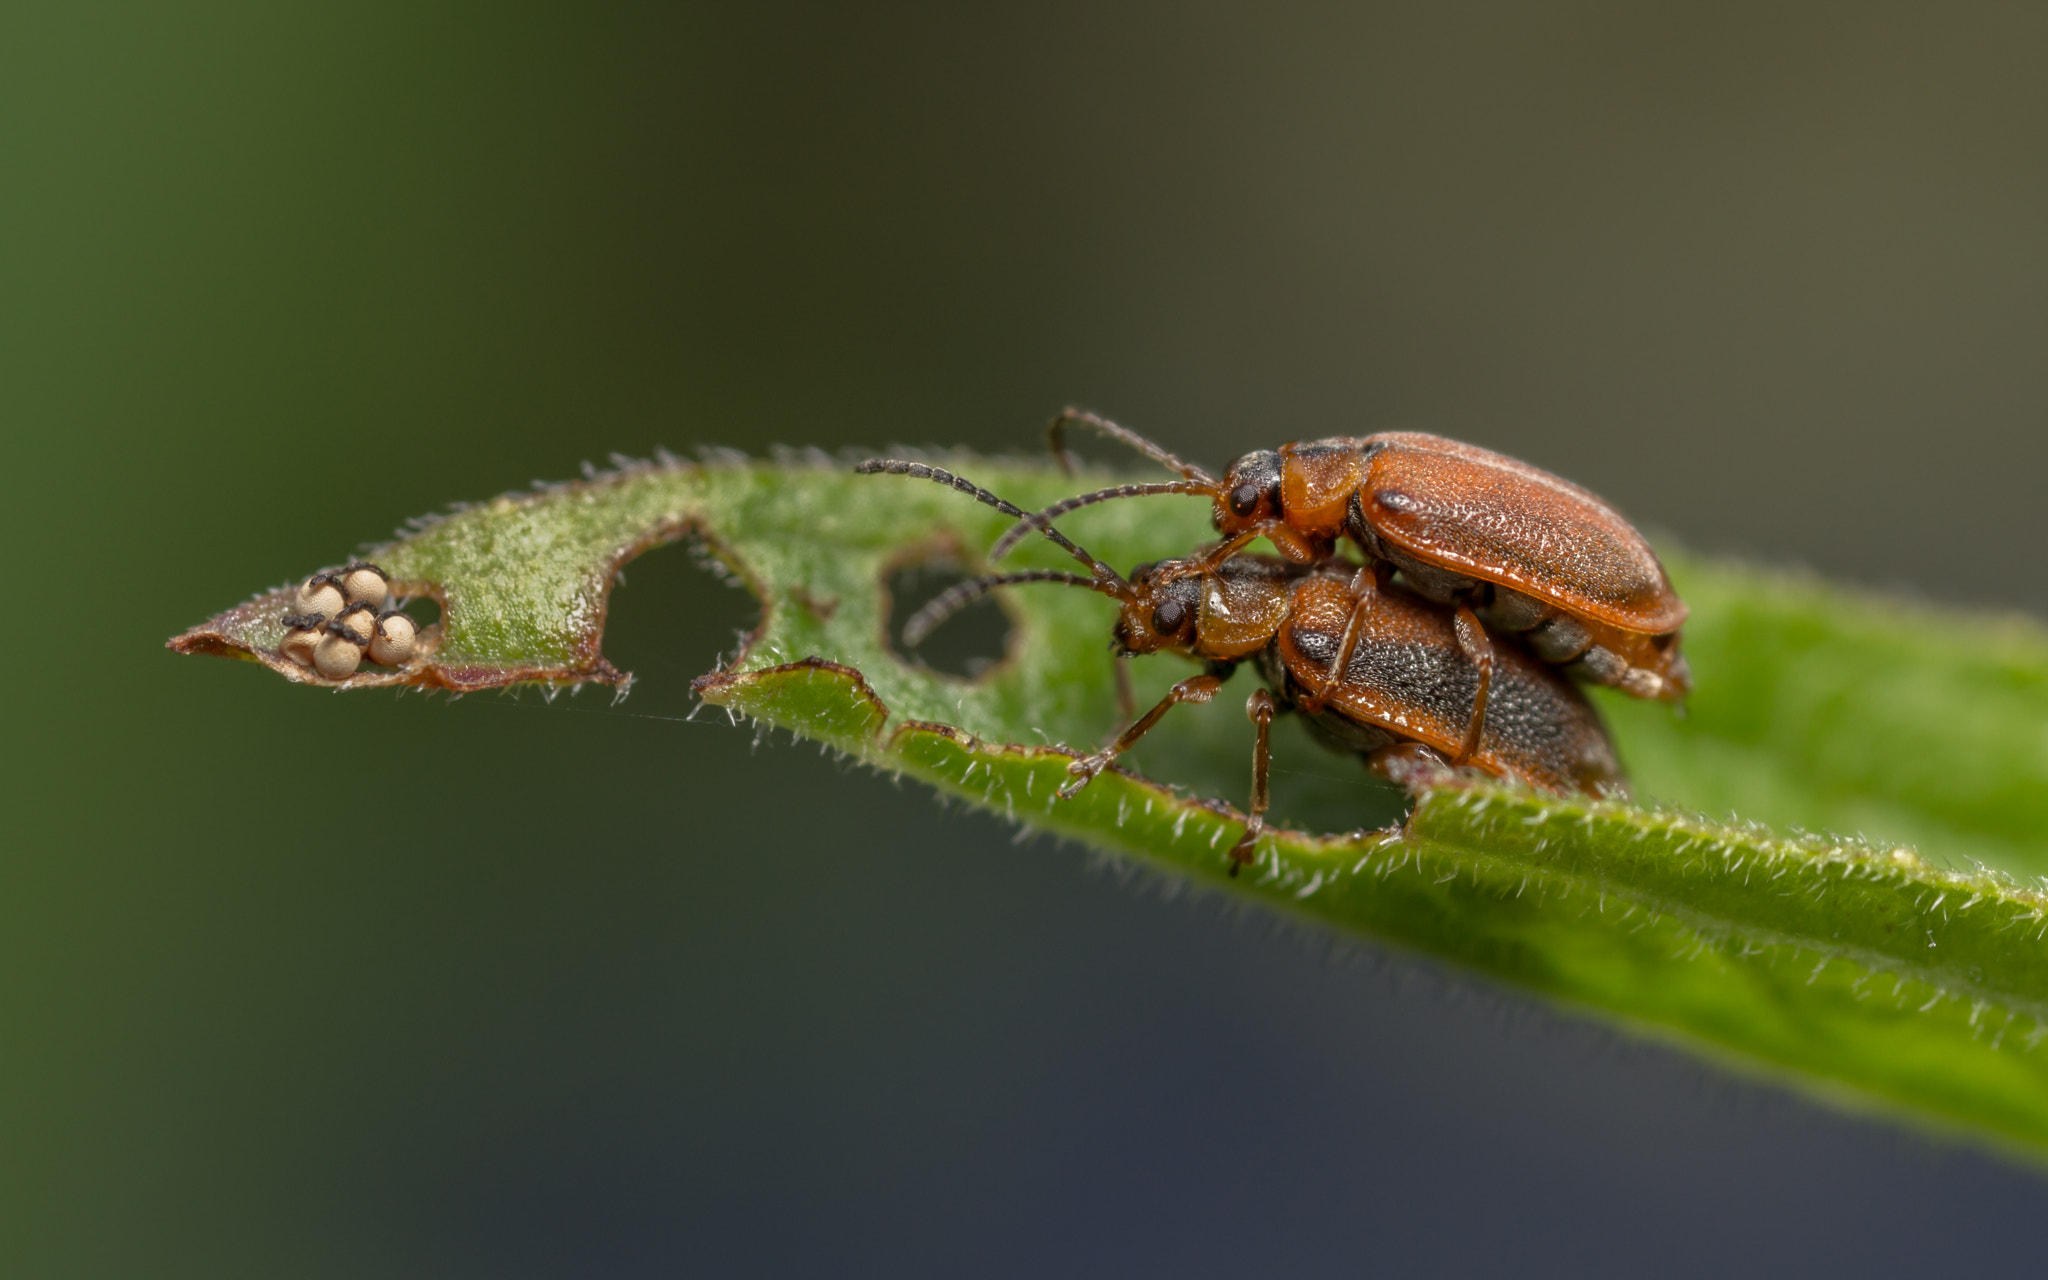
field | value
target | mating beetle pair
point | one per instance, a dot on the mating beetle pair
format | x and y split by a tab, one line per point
1521	550
1392	660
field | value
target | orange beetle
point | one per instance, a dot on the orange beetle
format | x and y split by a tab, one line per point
1504	544
1376	672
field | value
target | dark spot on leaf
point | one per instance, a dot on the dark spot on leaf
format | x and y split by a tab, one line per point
820	607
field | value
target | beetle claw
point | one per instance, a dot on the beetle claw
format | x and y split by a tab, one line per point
1083	771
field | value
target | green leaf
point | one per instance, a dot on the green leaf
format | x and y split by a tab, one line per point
1855	966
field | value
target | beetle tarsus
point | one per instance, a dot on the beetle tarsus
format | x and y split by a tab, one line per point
1193	689
1083	772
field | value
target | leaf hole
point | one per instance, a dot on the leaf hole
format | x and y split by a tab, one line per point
425	611
675	614
967	645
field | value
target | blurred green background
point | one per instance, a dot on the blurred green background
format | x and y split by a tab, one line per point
300	985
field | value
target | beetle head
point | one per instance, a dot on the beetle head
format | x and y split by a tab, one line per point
1166	600
1250	493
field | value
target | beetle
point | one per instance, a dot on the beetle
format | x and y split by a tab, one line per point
1378	672
1507	546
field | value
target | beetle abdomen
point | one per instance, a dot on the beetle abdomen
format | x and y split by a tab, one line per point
1476	512
1407	674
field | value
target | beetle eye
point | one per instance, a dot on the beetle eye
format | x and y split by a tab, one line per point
1168	618
1244	499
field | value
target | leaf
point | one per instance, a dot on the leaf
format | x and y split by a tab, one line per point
1859	968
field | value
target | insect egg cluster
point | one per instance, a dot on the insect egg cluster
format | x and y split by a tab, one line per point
335	623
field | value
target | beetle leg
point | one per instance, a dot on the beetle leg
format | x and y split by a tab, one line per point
1193	689
1407	764
1558	638
1260	708
1288	542
1223	550
1363	589
1126	700
1478	647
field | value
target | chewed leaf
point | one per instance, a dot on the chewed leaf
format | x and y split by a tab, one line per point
522	583
1918	977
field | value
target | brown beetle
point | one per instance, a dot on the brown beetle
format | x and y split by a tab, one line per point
1499	541
1380	673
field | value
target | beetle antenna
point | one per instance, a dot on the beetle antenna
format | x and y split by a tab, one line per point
1108	577
950	601
1056	436
1038	520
